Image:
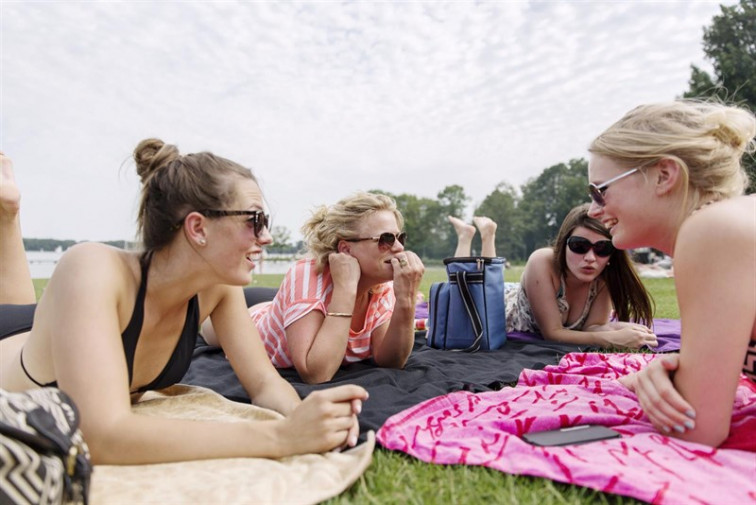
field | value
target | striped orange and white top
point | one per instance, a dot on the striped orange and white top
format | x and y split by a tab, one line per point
304	290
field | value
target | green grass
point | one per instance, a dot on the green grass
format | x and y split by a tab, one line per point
395	478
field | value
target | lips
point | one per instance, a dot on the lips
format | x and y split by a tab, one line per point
251	258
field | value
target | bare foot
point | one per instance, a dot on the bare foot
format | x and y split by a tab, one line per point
464	231
10	196
486	226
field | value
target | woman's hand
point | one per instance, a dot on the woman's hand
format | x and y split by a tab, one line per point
630	335
665	407
408	272
345	270
326	419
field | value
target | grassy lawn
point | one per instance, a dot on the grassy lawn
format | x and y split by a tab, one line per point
400	479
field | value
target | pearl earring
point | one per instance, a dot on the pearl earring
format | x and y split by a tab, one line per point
202	241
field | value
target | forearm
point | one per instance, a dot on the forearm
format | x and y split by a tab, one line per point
591	336
276	394
396	345
327	350
139	439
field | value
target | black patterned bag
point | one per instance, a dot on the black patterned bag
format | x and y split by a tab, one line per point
43	455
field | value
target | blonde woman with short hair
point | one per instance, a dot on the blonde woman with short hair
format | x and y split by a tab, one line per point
351	299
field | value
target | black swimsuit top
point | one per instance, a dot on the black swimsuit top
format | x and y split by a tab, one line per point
181	358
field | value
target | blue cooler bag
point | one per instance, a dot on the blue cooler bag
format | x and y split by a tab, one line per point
467	313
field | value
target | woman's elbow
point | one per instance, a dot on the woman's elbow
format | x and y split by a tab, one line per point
104	446
397	361
712	437
315	376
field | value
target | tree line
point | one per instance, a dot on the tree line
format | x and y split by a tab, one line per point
527	218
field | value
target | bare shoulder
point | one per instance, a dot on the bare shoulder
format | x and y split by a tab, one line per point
721	235
211	297
540	266
97	262
731	221
544	255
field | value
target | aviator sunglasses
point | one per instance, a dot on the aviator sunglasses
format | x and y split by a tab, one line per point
258	218
385	240
581	245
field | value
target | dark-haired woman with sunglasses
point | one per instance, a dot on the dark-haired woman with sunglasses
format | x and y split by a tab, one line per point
113	324
567	292
670	176
351	299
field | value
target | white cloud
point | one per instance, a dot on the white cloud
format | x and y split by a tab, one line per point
321	98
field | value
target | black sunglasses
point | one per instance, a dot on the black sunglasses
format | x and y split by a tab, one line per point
384	239
581	245
258	218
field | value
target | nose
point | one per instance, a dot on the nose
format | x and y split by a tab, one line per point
595	210
397	246
590	255
264	238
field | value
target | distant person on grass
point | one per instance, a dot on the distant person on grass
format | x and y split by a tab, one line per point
113	324
669	176
567	292
351	299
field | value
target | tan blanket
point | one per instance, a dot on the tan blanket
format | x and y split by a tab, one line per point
304	479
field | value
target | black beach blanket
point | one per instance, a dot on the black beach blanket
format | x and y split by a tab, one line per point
428	373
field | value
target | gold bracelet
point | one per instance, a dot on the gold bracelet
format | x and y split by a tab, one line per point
339	314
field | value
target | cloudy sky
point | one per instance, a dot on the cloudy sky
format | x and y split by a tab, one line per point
321	98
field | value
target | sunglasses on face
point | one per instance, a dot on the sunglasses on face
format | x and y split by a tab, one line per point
385	240
581	245
597	192
257	218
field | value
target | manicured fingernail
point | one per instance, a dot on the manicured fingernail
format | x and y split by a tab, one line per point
689	424
666	429
358	407
679	428
691	413
352	441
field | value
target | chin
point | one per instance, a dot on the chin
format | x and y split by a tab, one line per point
242	279
619	241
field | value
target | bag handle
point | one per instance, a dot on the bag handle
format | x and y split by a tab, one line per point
472	312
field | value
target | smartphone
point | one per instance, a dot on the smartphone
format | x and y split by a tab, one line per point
580	434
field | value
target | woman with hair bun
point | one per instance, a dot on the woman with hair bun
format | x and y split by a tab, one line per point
113	323
669	176
351	299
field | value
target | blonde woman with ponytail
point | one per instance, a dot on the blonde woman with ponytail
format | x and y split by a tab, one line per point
669	176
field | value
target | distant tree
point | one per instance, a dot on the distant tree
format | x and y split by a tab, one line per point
730	44
501	205
281	241
417	213
452	201
429	233
548	198
46	244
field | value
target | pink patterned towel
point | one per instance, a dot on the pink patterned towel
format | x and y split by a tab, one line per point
484	429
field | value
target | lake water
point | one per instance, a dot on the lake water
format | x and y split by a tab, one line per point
42	264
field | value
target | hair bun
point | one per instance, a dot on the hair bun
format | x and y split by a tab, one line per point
728	136
151	155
